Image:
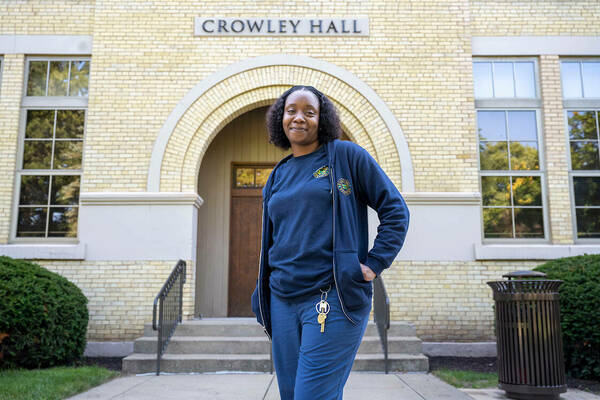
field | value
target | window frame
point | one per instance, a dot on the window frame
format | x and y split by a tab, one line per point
579	172
45	103
578	104
541	172
235	165
514	101
515	104
569	102
34	101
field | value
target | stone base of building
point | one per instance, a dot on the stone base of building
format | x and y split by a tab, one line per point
108	349
430	349
454	349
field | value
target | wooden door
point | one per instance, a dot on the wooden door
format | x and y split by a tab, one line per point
245	235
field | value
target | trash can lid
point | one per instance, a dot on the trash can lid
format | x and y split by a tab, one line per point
524	274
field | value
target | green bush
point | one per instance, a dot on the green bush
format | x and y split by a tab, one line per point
580	312
43	317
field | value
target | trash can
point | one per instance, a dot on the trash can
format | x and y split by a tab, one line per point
528	334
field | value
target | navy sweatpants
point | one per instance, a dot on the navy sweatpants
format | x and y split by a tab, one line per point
309	364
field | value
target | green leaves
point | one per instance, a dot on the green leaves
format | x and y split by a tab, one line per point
580	314
37	308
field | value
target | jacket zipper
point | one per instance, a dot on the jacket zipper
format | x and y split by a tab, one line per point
262	223
259	292
337	288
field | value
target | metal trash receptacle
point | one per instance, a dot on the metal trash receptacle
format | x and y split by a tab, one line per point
529	339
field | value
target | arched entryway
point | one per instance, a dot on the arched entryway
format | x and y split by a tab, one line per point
218	100
232	174
240	87
229	219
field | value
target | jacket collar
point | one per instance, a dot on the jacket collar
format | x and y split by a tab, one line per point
330	149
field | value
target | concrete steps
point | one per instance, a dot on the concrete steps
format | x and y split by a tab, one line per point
258	345
239	344
138	363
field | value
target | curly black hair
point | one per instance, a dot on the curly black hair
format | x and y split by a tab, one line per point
329	122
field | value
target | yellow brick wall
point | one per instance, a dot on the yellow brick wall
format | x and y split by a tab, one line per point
544	18
556	150
146	58
47	17
447	300
417	59
10	100
121	293
534	18
444	300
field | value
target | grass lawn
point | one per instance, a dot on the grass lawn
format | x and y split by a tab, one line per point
51	383
467	379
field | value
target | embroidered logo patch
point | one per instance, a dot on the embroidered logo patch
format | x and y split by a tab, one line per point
321	172
344	186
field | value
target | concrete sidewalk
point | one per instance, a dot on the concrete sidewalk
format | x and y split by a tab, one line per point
231	386
497	394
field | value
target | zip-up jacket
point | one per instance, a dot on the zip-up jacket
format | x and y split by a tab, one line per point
357	181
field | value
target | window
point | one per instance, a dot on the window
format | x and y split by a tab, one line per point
58	78
581	99
51	148
251	176
510	162
580	79
504	79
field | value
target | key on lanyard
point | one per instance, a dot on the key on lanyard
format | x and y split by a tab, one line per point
322	308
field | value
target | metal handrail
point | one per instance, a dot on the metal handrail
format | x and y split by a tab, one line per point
381	315
170	309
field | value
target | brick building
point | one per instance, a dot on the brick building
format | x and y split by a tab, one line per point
132	136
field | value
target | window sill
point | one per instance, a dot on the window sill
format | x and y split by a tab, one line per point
40	251
531	251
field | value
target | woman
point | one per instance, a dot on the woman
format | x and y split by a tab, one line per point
313	295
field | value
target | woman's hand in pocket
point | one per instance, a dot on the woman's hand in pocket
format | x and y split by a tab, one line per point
368	274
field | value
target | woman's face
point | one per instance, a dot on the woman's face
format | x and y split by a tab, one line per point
301	118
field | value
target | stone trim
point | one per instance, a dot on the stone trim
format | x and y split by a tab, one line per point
534	45
46	44
44	251
442	198
531	251
140	198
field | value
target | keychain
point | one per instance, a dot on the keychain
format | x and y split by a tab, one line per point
322	308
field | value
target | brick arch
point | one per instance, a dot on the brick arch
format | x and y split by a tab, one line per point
217	121
206	109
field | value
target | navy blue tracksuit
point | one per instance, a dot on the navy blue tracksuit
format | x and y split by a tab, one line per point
355	182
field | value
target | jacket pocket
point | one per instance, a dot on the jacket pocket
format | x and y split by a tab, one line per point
356	292
255	307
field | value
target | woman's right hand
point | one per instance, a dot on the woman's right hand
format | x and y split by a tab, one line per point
368	274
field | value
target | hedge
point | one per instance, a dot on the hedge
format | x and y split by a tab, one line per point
580	312
43	317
